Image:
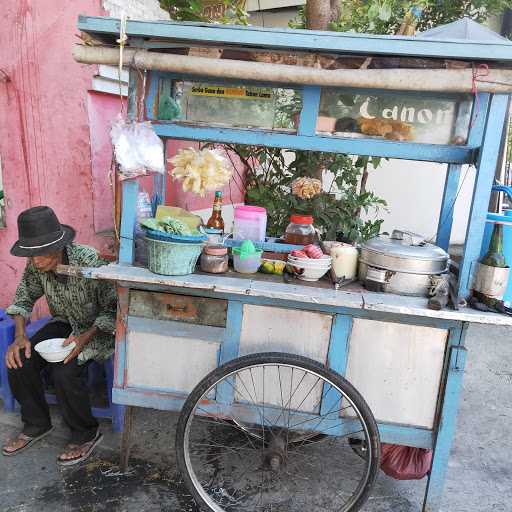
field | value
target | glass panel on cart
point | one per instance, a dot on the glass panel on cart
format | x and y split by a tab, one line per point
395	116
229	105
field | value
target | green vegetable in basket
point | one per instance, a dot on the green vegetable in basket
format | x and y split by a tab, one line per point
167	225
174	226
151	224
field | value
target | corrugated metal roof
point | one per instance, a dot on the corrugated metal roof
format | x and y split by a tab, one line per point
464	29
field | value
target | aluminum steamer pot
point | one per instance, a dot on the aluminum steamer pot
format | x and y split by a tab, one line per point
403	263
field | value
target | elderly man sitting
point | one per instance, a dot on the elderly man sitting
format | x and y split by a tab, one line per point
83	312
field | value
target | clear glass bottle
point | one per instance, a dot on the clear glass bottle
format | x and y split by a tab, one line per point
300	231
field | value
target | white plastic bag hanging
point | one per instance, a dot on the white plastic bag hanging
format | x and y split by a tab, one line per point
138	148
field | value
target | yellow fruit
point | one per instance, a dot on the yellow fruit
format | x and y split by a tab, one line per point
267	267
279	267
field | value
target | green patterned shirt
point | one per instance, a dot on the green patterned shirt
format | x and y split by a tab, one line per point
80	302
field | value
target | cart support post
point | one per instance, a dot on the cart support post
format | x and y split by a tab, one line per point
126	438
129	208
446	431
230	349
444	228
310	107
486	169
337	358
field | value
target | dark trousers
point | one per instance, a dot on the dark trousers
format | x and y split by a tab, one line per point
71	390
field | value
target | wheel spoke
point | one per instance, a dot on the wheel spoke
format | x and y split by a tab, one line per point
274	449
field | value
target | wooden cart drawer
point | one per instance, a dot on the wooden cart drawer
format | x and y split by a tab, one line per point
181	308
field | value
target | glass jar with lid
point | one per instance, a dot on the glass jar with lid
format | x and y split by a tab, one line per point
214	259
300	231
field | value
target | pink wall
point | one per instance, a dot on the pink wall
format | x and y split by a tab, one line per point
44	126
175	196
103	110
54	132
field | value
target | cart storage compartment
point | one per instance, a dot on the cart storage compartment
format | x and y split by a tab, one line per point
397	368
170	356
180	308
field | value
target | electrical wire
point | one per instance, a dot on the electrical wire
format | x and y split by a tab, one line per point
452	206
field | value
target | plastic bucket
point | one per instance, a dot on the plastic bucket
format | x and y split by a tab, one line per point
172	259
250	223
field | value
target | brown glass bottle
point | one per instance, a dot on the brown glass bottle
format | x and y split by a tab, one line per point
216	221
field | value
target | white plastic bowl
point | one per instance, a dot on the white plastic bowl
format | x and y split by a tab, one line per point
312	263
312	274
52	350
248	265
307	272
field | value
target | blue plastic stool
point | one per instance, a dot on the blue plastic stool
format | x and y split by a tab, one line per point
7	328
114	412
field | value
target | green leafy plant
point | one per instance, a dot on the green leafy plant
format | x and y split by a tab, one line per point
271	171
233	11
385	16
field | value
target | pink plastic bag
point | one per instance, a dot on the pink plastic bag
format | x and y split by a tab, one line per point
405	462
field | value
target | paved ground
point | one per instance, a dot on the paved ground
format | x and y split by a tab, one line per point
479	476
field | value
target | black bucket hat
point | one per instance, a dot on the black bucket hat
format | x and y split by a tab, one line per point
40	232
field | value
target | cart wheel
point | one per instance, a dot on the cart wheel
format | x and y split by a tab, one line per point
270	432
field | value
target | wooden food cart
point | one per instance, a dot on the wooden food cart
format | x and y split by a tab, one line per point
406	360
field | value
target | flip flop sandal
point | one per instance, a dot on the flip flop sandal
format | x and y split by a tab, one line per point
76	460
30	442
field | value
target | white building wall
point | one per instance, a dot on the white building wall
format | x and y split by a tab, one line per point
135	9
413	191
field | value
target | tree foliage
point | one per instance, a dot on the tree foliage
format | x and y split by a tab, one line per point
385	16
232	11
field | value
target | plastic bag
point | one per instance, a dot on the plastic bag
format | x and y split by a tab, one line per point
138	148
404	462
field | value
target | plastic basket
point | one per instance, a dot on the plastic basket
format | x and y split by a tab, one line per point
169	237
171	258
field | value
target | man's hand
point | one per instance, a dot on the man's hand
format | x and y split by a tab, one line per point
81	341
12	356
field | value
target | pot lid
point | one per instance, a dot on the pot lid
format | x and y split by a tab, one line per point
406	245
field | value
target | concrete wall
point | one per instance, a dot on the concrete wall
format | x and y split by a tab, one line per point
413	191
47	114
44	129
135	9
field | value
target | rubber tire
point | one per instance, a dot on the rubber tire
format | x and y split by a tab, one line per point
277	358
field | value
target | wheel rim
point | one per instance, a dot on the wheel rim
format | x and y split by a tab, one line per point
280	449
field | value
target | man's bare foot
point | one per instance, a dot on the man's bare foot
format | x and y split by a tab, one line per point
21	443
77	453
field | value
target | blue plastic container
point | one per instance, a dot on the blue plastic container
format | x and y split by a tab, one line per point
7	329
506	220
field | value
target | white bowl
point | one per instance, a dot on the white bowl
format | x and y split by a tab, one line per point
52	350
306	267
312	274
311	262
308	272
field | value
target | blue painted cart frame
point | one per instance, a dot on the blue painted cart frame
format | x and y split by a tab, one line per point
481	150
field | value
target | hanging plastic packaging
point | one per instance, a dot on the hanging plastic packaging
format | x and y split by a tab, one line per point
138	149
144	211
405	462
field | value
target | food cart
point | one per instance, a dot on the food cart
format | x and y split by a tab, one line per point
406	360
